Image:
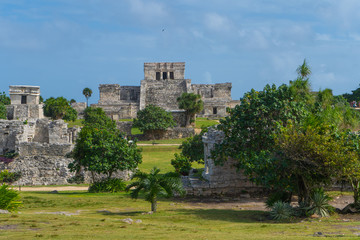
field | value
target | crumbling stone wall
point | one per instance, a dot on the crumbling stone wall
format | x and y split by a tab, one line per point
218	180
80	108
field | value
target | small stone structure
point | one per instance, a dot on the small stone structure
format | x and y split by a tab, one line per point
163	83
24	103
80	108
218	180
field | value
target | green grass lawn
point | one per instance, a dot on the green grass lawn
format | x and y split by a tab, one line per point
165	141
99	216
160	156
77	122
204	122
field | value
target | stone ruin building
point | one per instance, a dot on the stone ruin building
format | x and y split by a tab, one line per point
218	180
42	144
25	103
163	83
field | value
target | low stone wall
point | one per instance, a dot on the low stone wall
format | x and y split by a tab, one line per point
170	133
124	127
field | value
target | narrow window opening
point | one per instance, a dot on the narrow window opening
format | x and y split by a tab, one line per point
171	75
165	75
214	110
157	75
23	99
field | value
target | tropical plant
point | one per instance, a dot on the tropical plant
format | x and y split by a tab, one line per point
5	100
276	196
111	185
9	199
9	177
87	93
281	211
192	104
155	185
70	115
304	70
3	112
153	119
319	204
181	164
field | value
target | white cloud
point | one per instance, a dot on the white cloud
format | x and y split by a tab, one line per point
215	22
322	37
148	10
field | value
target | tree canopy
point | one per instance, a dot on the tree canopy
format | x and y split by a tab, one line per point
59	108
152	119
192	104
4	100
288	138
101	148
87	93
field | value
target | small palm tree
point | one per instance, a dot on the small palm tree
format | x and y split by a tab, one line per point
155	185
304	70
87	93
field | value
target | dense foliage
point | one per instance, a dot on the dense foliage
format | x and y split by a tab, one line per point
181	163
59	108
290	139
193	147
9	177
192	104
353	96
101	148
111	185
153	119
9	198
155	185
4	100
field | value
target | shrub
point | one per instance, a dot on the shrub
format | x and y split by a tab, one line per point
111	185
9	199
181	164
277	196
9	177
11	154
76	179
319	204
281	211
6	160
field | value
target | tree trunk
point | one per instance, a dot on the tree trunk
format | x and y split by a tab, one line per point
93	176
153	205
355	186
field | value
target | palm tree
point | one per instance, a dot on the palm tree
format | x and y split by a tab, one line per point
155	185
87	93
304	70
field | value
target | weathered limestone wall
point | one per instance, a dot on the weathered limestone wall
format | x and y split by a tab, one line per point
219	180
130	94
80	108
170	133
151	69
109	93
164	93
24	111
125	127
179	117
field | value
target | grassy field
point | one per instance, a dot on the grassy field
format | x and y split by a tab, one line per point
81	215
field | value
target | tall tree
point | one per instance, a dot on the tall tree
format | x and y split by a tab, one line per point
304	70
155	185
192	104
87	93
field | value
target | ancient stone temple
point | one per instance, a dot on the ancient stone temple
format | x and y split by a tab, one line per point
163	83
25	103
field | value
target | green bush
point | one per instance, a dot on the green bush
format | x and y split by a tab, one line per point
277	196
281	211
76	179
111	185
9	177
9	199
181	164
11	154
319	204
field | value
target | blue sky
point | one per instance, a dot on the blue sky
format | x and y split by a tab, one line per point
66	45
